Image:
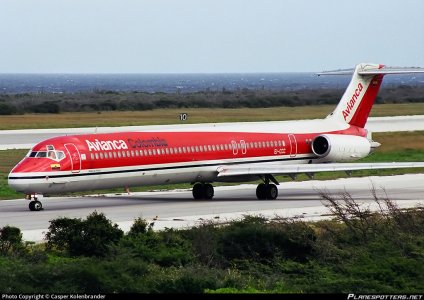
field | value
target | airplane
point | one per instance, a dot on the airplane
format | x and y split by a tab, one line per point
232	152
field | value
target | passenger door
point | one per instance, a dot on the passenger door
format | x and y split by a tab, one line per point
75	157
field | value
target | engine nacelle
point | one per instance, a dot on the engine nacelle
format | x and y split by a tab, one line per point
339	147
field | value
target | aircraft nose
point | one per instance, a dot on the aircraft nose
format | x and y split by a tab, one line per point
16	183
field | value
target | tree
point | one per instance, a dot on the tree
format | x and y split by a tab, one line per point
10	240
90	237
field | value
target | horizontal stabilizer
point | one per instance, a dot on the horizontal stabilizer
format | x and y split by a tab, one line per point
375	71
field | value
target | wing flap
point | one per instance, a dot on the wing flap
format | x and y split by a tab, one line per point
240	170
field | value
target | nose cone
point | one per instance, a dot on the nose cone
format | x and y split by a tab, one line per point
22	176
16	183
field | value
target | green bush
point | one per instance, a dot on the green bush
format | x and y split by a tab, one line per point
49	107
6	109
167	248
254	238
90	237
10	240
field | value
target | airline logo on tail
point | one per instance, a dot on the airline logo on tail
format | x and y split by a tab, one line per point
351	104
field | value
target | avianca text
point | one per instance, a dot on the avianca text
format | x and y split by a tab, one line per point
106	145
352	101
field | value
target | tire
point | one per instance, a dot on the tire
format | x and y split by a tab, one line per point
208	191
272	192
38	206
198	191
261	191
35	205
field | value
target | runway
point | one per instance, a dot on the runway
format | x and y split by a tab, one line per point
26	138
177	209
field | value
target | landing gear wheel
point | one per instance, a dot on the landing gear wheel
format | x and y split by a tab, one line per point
198	191
35	205
208	191
261	191
203	191
266	191
272	192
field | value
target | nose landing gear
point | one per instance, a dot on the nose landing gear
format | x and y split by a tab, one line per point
35	204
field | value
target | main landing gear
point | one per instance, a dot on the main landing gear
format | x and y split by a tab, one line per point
203	191
35	204
267	191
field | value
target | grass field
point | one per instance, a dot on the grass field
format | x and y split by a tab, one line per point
397	146
198	115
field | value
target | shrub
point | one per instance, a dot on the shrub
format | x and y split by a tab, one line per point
253	238
6	109
91	237
49	107
10	240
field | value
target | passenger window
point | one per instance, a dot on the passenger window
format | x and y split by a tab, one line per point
92	156
101	155
97	155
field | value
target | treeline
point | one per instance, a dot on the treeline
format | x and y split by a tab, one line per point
124	101
358	251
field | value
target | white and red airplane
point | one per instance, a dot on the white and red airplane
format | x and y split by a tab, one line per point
234	152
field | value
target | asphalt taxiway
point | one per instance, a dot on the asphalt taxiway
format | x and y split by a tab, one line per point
177	209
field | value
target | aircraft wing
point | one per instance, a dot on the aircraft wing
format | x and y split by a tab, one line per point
291	170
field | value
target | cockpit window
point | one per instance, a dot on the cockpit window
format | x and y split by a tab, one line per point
52	154
60	155
41	154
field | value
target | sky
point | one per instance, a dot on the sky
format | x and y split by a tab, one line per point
207	36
